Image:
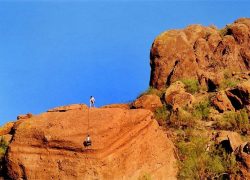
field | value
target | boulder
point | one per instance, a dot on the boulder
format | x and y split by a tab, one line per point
229	140
148	101
243	157
209	81
238	97
242	91
235	100
176	96
240	32
69	107
221	102
196	50
179	100
126	144
177	86
24	116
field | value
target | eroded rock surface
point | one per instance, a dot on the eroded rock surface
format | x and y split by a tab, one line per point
24	116
148	101
199	52
68	108
242	91
221	102
126	144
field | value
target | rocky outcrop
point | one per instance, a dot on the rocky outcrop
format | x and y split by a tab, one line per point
233	98
232	143
6	129
122	106
68	108
243	156
126	144
199	52
177	86
229	140
24	116
148	101
177	97
242	91
221	102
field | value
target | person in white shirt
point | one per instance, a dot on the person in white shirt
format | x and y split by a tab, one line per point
87	142
92	101
88	138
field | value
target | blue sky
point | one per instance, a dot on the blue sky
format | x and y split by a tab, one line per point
55	53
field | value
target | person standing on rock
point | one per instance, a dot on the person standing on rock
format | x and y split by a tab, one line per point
92	101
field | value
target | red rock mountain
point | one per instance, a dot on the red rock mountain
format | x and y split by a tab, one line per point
199	52
127	144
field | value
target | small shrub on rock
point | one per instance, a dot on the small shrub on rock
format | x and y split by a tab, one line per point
162	114
152	90
191	85
145	176
234	121
3	147
202	109
199	161
182	119
229	83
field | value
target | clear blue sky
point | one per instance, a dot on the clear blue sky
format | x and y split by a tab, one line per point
56	53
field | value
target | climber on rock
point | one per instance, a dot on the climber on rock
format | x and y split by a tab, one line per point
92	101
87	142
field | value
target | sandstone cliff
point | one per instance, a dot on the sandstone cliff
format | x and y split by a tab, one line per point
127	144
203	53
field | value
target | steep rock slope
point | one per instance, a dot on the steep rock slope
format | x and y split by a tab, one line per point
127	144
203	53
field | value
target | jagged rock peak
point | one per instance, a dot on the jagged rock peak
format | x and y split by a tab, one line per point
199	52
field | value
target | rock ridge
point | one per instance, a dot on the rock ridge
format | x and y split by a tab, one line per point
203	53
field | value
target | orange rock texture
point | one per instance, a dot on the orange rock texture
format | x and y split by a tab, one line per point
148	101
203	53
126	144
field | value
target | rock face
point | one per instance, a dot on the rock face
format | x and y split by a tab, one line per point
233	98
204	53
242	91
221	102
126	144
148	101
